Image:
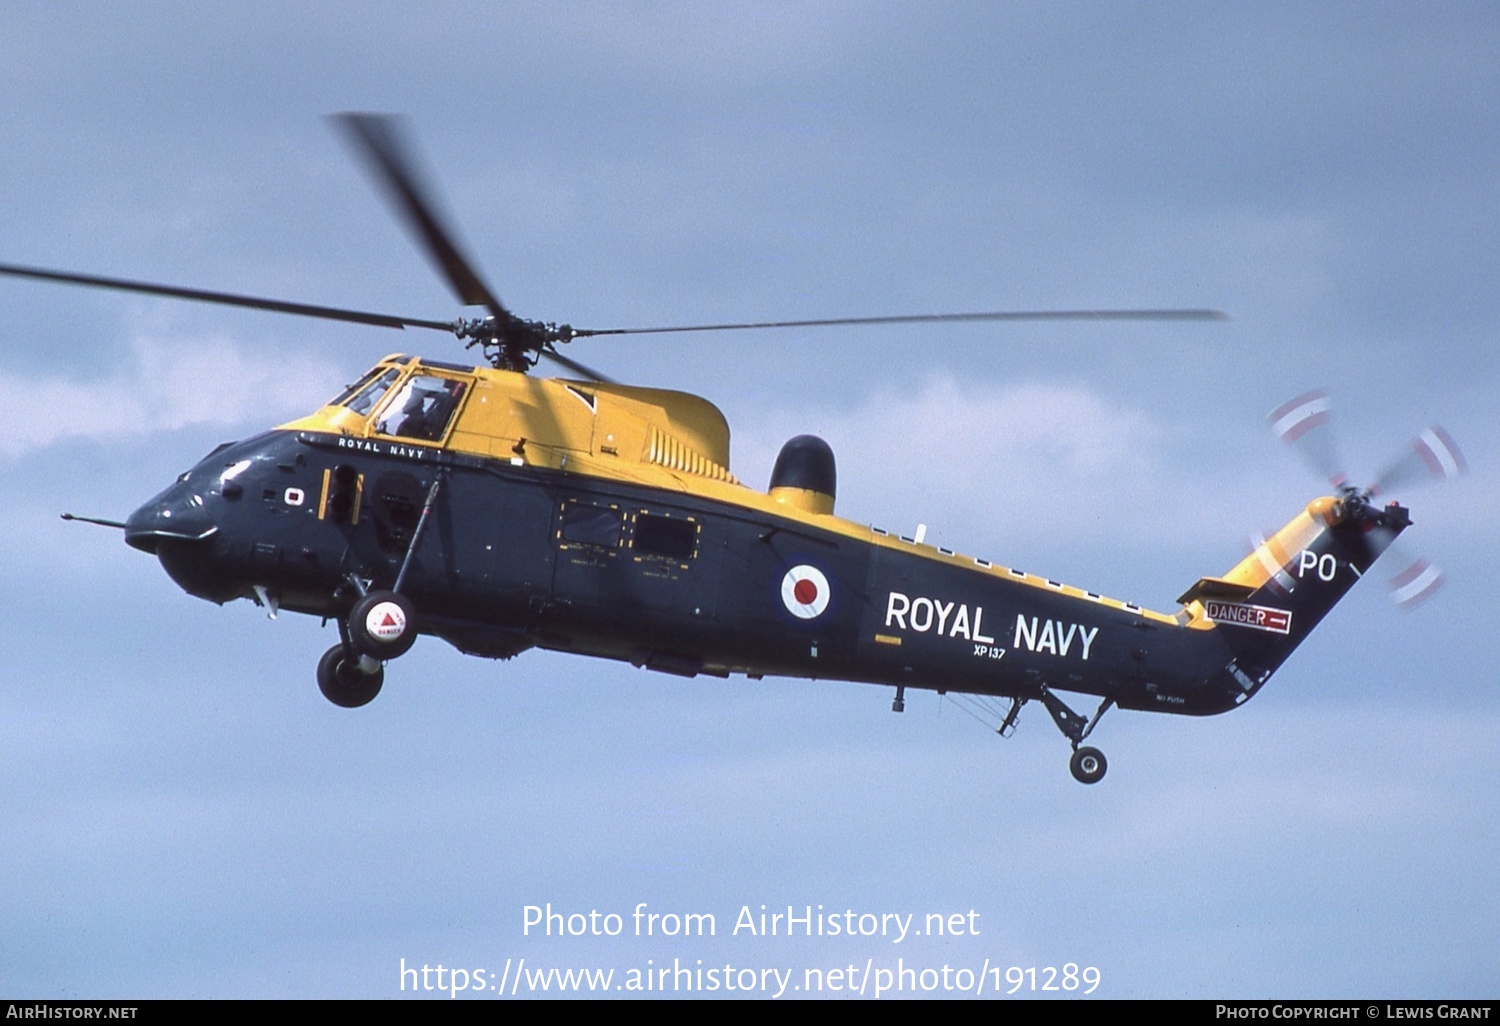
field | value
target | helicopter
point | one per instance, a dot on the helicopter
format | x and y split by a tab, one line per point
501	511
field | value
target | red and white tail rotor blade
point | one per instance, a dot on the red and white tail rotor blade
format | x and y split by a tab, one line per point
1277	578
1432	456
1416	581
1304	423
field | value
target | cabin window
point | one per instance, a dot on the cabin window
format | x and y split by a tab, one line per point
365	399
597	527
674	538
422	408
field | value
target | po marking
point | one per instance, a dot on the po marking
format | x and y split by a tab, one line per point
1326	565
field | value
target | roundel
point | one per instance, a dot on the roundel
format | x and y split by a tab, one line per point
805	591
385	621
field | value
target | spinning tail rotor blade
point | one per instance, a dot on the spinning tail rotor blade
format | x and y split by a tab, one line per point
1305	424
1416	581
1432	456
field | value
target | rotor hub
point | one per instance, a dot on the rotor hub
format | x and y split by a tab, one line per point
510	342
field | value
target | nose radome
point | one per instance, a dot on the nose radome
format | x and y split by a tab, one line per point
176	513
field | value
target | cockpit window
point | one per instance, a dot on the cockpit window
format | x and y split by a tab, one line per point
422	409
349	390
364	401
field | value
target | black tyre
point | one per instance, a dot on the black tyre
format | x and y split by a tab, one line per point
343	683
383	625
1088	765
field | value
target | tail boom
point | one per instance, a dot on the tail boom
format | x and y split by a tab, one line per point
1257	614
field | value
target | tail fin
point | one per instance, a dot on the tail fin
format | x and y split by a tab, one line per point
1271	600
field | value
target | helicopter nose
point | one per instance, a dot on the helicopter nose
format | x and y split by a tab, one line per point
176	513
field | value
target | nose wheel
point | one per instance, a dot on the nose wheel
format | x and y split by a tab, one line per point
383	625
349	681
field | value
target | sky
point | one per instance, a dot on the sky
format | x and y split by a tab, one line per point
186	816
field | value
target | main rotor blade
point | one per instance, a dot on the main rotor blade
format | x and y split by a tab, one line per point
379	138
1001	315
226	298
576	367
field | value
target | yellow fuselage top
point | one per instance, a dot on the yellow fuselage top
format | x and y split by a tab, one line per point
649	437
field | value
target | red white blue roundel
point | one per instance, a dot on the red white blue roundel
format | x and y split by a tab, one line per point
805	591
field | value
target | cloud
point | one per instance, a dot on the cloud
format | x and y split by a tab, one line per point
1041	462
167	384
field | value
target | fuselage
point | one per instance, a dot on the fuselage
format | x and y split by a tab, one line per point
603	520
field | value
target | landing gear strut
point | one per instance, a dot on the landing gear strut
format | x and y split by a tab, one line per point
381	626
1088	764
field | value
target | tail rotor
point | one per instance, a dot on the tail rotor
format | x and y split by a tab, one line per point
1305	425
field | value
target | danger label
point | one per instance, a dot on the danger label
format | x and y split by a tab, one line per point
1262	618
386	621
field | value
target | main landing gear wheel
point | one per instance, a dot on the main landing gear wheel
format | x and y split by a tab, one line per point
383	625
1088	765
343	682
